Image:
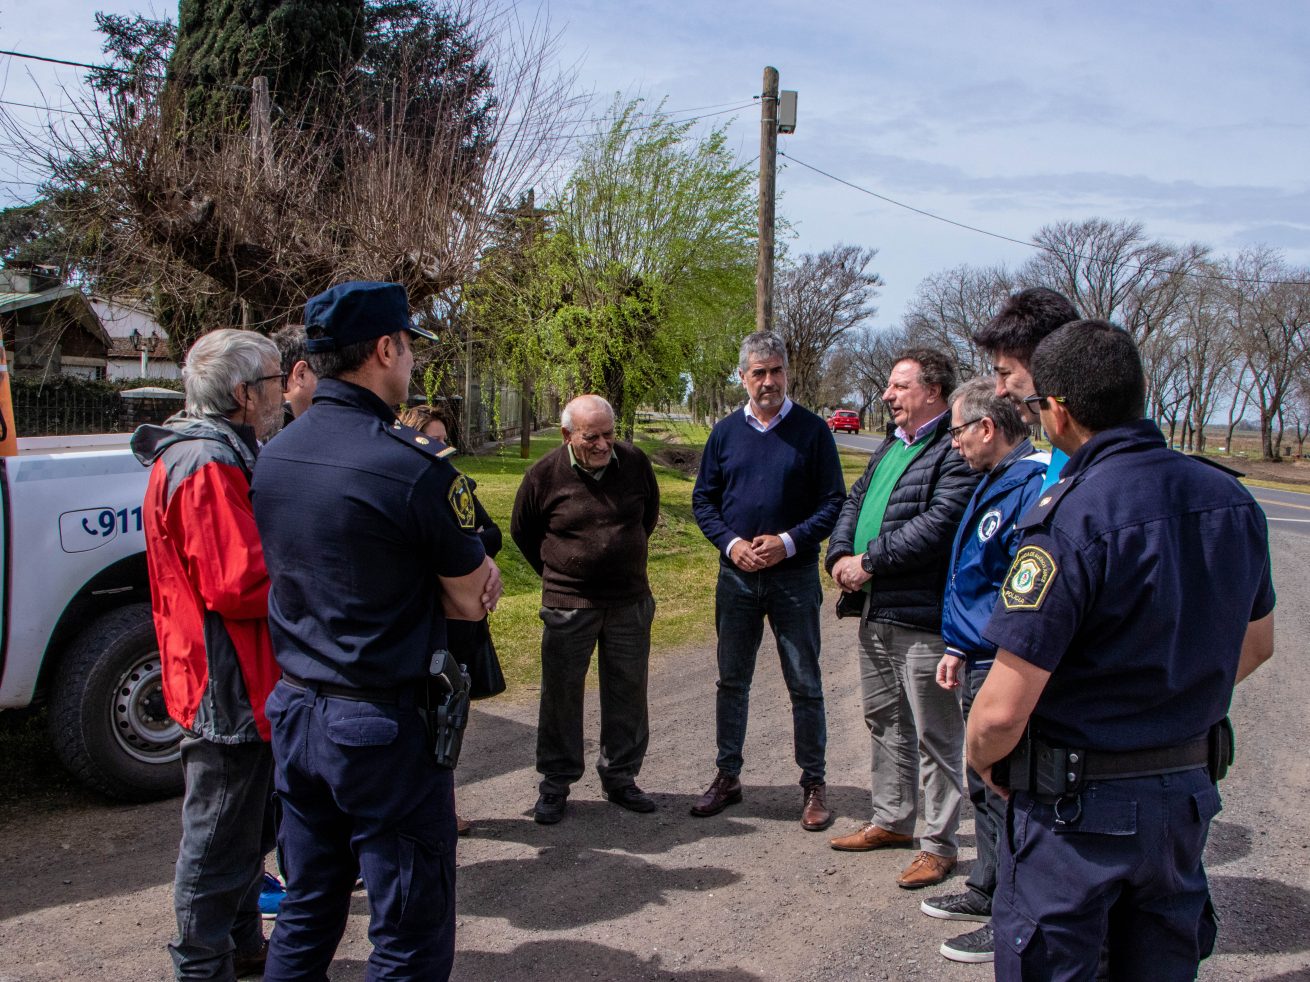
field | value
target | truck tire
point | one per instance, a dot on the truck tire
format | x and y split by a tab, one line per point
107	715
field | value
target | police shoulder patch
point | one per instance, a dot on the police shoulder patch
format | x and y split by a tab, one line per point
460	497
1029	579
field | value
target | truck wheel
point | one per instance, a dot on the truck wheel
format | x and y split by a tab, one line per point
107	714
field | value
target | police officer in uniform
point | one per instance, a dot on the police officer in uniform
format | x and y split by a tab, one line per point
1140	594
370	544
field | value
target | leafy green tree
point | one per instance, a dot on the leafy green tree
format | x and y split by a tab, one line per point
655	247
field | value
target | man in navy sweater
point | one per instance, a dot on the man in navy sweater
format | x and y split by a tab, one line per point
768	492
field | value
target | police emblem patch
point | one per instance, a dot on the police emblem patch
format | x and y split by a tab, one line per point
1029	579
460	497
989	524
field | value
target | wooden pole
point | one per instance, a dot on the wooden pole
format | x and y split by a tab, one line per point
261	124
768	189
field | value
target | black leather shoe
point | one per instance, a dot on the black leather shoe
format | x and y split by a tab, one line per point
725	791
549	808
632	798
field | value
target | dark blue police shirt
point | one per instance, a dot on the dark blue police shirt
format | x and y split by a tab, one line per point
358	522
1133	585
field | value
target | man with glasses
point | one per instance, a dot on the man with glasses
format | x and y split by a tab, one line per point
892	542
582	518
298	378
992	437
209	592
1118	646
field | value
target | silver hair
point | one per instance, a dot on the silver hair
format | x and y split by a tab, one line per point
977	399
218	363
762	345
579	402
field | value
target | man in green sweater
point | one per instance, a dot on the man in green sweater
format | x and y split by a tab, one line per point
582	518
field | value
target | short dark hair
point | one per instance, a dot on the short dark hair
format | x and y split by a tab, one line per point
1023	320
290	341
935	368
343	361
1095	368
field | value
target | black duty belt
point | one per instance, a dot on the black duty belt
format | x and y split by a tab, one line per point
386	696
1143	763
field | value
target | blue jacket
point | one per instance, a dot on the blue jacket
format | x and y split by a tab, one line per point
984	546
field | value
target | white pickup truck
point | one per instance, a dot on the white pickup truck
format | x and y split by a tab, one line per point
75	626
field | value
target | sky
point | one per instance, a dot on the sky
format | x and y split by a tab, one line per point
1189	117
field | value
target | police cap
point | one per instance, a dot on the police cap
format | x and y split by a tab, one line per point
349	313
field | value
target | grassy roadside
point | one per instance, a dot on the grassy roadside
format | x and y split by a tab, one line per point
683	565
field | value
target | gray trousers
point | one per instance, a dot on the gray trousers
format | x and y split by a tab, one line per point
916	733
621	638
227	828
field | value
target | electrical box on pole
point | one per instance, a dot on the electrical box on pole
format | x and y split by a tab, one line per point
787	111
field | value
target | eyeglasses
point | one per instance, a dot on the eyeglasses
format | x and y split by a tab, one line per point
954	431
1034	403
265	378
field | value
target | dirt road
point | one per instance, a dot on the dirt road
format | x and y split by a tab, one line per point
85	886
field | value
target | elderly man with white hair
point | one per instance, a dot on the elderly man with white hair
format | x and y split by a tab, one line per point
209	591
582	518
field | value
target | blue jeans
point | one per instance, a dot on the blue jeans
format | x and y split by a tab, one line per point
1124	872
790	599
226	830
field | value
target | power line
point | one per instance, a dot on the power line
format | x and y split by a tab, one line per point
61	61
1037	245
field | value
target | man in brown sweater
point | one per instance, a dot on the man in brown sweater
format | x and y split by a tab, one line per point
582	518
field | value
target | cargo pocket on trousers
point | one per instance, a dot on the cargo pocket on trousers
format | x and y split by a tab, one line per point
427	875
1013	928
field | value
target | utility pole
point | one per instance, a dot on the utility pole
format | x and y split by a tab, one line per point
768	193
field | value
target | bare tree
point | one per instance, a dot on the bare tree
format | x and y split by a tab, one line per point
1268	305
1208	352
872	355
950	307
271	214
816	302
1111	271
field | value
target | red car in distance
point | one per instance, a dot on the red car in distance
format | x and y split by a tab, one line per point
845	419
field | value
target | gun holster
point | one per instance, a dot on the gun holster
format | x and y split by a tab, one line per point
1223	749
445	708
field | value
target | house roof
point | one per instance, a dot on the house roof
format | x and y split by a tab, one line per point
86	316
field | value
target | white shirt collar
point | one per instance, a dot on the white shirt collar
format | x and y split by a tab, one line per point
755	423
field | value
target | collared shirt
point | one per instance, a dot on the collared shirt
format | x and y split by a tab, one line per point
759	425
586	471
921	432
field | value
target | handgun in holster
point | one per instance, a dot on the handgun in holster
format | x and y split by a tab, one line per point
446	708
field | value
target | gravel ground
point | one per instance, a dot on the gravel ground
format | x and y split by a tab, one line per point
606	894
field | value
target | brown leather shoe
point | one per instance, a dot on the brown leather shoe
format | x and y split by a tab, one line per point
724	791
816	815
462	826
925	870
870	837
